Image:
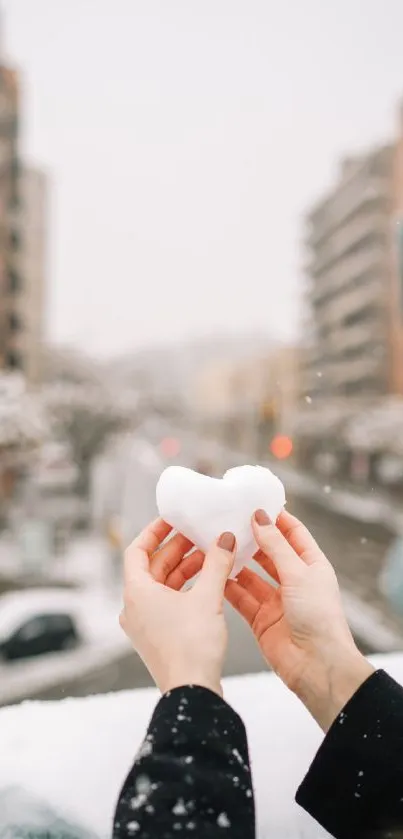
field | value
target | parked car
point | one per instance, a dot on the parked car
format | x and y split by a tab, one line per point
35	623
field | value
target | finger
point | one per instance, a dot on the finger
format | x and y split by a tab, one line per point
268	565
185	571
216	569
241	599
151	537
299	537
166	559
261	590
275	547
137	555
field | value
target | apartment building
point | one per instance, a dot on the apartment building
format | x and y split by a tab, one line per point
397	261
249	400
350	281
32	303
10	237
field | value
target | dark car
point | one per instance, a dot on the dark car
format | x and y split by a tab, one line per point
43	633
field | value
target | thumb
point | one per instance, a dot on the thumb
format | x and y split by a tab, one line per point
216	568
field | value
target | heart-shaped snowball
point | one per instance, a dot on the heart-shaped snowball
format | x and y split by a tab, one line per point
202	508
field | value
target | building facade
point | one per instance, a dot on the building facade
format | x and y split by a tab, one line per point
396	302
351	354
351	370
22	244
247	402
10	236
32	303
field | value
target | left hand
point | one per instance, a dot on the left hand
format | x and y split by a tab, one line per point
181	636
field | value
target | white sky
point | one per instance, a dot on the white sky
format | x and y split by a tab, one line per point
185	138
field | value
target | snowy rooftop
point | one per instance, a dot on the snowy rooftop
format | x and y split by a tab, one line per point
69	758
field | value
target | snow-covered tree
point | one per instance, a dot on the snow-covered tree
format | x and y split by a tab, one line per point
86	416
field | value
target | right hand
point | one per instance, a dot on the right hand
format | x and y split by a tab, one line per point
299	623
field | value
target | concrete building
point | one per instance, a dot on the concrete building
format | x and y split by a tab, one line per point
351	371
247	402
32	304
351	278
10	238
396	302
22	244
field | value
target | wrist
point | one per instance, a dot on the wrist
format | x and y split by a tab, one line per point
187	677
330	680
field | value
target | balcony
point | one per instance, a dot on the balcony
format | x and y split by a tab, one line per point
346	202
363	304
366	368
360	265
365	335
360	233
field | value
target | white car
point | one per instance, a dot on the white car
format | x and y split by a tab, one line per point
36	622
39	621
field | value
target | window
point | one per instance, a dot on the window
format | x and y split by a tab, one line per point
60	623
14	281
14	360
14	322
15	239
33	628
399	245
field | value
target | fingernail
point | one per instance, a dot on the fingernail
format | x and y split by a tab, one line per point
226	542
262	518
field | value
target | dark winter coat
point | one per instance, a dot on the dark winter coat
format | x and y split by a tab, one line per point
191	777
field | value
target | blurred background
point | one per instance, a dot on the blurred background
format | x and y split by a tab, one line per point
201	263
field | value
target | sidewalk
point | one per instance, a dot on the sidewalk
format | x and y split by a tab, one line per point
363	505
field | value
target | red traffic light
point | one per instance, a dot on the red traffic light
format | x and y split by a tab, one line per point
281	446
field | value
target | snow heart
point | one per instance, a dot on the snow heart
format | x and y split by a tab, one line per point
202	508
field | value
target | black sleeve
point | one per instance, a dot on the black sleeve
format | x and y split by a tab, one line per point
354	787
191	776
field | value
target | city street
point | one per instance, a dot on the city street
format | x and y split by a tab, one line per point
357	552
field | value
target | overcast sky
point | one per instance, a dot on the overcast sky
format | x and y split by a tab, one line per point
185	139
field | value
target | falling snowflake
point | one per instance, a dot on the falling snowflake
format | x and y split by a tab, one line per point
223	820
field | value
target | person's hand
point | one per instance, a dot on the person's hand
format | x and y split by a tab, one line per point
299	622
181	636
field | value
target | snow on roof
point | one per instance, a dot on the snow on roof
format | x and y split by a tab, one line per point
74	754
